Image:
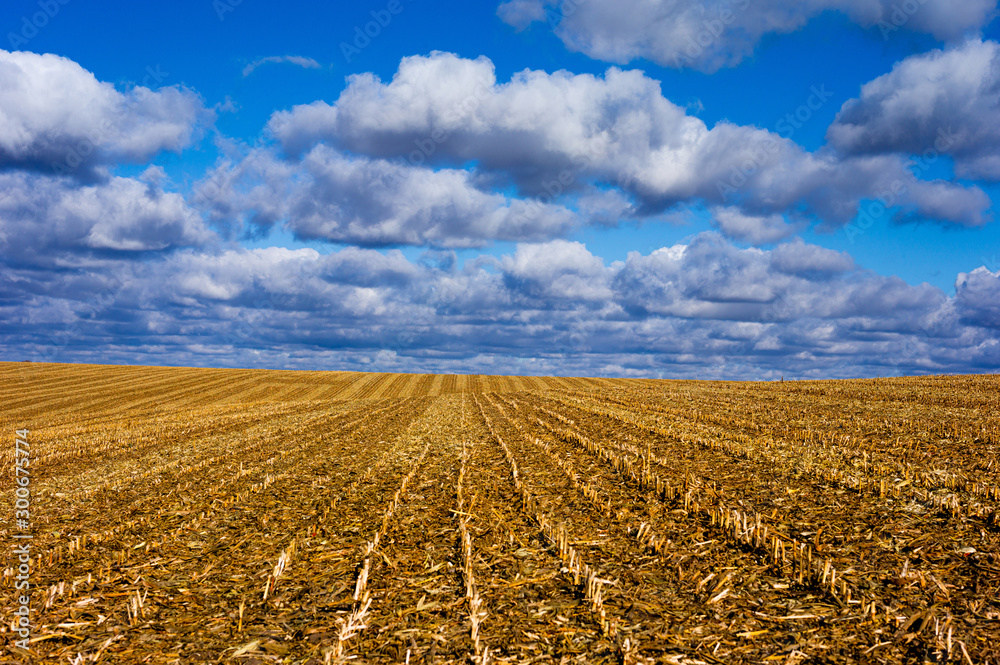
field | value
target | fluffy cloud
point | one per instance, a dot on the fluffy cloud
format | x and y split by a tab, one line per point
794	283
557	134
557	271
977	295
122	269
373	202
56	116
721	34
44	219
944	102
798	258
522	13
701	309
755	229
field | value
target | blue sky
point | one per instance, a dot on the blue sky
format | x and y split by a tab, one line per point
606	188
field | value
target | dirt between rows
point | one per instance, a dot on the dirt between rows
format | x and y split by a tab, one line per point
428	522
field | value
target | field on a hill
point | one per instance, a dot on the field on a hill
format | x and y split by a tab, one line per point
237	516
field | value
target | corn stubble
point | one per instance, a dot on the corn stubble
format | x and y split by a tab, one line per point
238	516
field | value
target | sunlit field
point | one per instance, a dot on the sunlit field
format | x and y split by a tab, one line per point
252	516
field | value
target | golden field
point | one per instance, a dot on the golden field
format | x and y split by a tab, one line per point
253	516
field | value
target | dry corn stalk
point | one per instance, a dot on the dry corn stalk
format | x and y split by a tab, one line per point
283	559
476	610
354	624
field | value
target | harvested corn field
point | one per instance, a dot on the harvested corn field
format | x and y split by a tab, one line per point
231	516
